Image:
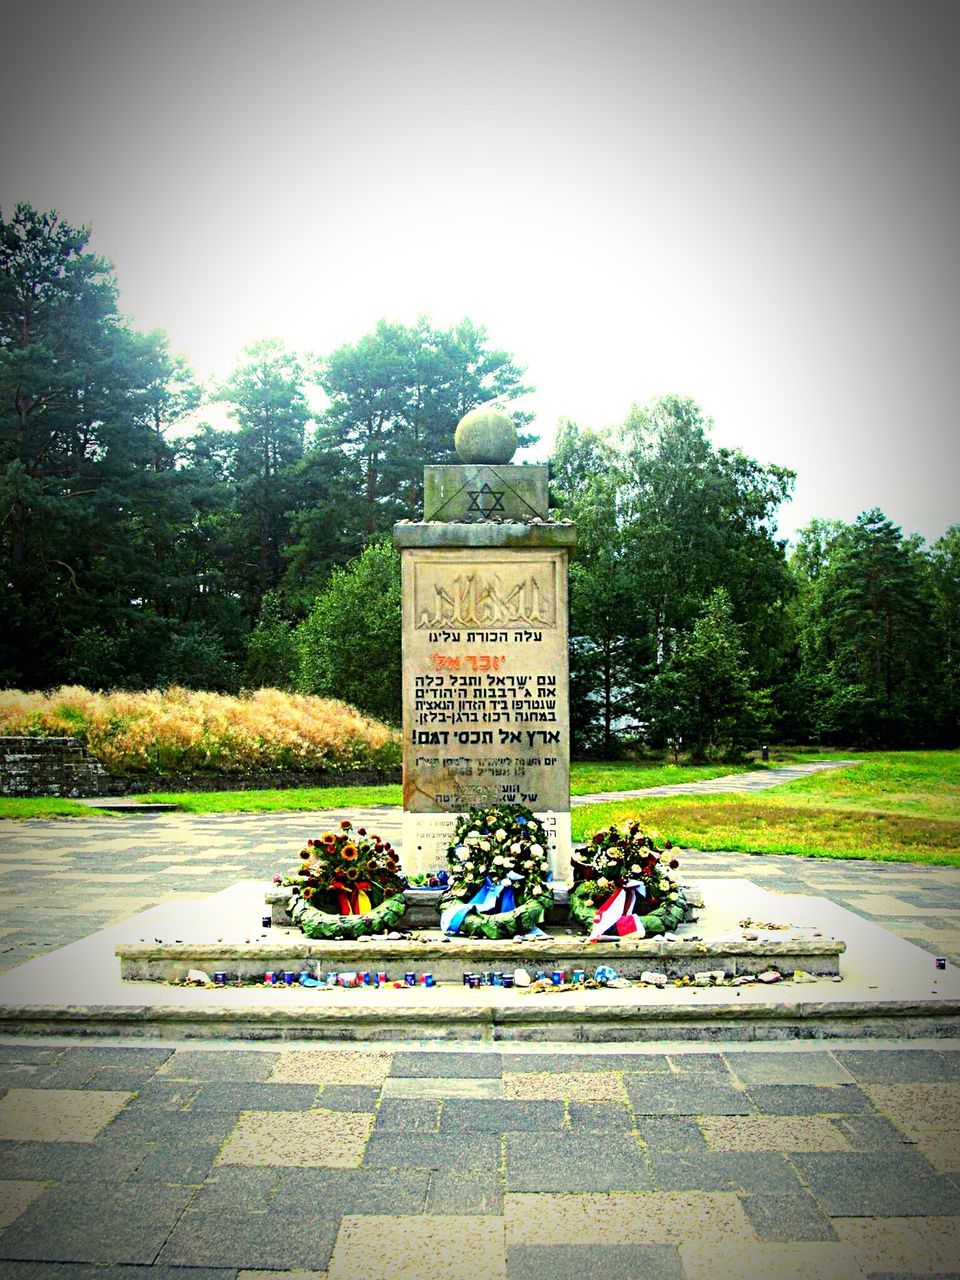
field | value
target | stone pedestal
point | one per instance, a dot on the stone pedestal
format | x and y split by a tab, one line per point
485	668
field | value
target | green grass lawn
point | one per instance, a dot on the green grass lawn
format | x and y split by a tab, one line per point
585	778
892	807
274	801
43	807
588	776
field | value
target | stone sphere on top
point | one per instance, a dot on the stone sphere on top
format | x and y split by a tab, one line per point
486	435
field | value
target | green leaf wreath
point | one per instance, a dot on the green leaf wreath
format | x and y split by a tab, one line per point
624	886
498	870
348	883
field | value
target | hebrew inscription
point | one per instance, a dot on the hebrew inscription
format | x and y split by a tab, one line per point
494	595
485	679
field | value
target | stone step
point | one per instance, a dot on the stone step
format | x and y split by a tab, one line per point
448	959
712	940
889	988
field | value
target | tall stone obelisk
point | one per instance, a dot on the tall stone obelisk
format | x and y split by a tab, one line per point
485	664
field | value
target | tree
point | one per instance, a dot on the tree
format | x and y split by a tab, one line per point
350	641
608	644
699	518
663	519
945	582
396	397
866	635
88	487
271	658
702	697
267	399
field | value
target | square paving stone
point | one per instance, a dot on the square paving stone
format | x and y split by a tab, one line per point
942	1149
437	1087
27	1053
275	1240
623	1217
129	1078
57	1115
639	1063
671	1133
98	1271
918	1108
447	1065
865	1184
153	1124
167	1095
687	1096
453	1151
186	1165
724	1171
426	1247
811	1260
583	1086
772	1133
698	1064
224	1064
409	1114
72	1161
254	1096
896	1066
233	1189
575	1162
331	1066
951	1062
896	1244
105	1222
471	1191
870	1133
325	1139
787	1068
796	1217
348	1097
498	1115
578	1261
15	1196
807	1100
333	1193
75	1067
599	1117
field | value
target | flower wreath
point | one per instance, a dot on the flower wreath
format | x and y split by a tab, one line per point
622	886
348	883
498	872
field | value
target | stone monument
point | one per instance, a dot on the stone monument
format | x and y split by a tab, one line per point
485	664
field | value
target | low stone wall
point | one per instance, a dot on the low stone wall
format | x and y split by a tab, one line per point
50	767
63	767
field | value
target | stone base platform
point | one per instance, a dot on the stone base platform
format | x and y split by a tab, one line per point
713	941
888	988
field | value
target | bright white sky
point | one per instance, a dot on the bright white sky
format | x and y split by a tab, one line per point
754	204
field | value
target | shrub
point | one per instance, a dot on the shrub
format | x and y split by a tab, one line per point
350	642
179	729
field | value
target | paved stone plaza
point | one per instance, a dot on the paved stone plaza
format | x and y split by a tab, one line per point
834	1159
358	1164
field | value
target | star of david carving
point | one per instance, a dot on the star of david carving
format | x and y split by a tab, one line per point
486	500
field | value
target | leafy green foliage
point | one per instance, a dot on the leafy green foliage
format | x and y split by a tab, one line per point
349	643
662	519
702	697
869	601
396	397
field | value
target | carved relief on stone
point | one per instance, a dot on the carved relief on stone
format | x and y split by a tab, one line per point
491	595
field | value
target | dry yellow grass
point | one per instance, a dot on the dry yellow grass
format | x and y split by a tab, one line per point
179	729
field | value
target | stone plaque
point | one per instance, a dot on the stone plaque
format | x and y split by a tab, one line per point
485	492
485	689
